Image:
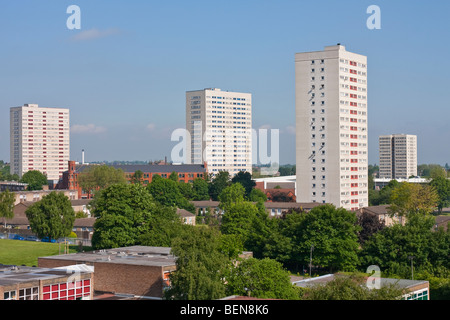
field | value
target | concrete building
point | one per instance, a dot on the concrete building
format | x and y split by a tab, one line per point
331	127
220	127
39	140
31	283
398	156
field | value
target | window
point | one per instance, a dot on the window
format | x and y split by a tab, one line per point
9	295
29	293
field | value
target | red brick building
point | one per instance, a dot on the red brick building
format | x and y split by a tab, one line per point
186	173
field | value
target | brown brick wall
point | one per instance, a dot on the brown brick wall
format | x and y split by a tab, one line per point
131	279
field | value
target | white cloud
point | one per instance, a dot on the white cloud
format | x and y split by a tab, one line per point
87	128
94	33
290	129
150	127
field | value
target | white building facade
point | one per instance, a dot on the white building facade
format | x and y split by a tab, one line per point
331	127
39	140
220	127
398	156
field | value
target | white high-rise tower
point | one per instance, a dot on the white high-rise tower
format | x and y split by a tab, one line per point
331	127
39	140
220	127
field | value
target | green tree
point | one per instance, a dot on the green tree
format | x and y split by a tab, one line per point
186	190
352	287
411	198
220	182
127	214
200	189
52	216
245	179
173	176
331	231
35	180
442	187
265	279
167	193
137	177
7	200
200	266
392	247
100	177
257	195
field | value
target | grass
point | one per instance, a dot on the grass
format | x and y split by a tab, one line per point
20	252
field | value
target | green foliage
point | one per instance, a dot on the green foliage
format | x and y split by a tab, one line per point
391	247
245	179
266	279
128	215
332	232
167	193
442	187
100	177
7	200
137	177
201	266
287	170
200	189
382	196
352	288
218	184
410	198
5	174
52	216
35	180
173	176
257	195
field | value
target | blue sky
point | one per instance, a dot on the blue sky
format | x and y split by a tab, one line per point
125	73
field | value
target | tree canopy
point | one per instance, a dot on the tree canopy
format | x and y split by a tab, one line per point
100	177
7	200
52	216
35	180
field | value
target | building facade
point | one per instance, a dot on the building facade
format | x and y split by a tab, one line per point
187	173
39	140
220	130
331	127
398	156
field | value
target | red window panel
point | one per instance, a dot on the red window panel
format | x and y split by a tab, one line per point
45	289
353	80
86	289
353	120
354	200
353	71
354	169
55	295
353	144
353	63
63	293
46	296
71	292
353	104
354	136
354	160
354	185
354	177
354	193
71	298
354	128
353	112
87	282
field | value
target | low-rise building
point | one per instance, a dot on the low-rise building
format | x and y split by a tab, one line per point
31	283
415	289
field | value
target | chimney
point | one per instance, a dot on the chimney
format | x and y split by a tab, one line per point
82	156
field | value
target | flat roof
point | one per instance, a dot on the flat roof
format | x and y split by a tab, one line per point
133	255
10	275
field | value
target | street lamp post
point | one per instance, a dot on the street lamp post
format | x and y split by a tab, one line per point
412	266
310	260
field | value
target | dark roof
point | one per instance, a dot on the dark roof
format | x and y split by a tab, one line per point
382	209
184	213
206	204
151	168
80	202
84	222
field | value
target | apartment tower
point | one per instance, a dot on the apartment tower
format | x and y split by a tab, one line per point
219	123
331	127
398	156
39	140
